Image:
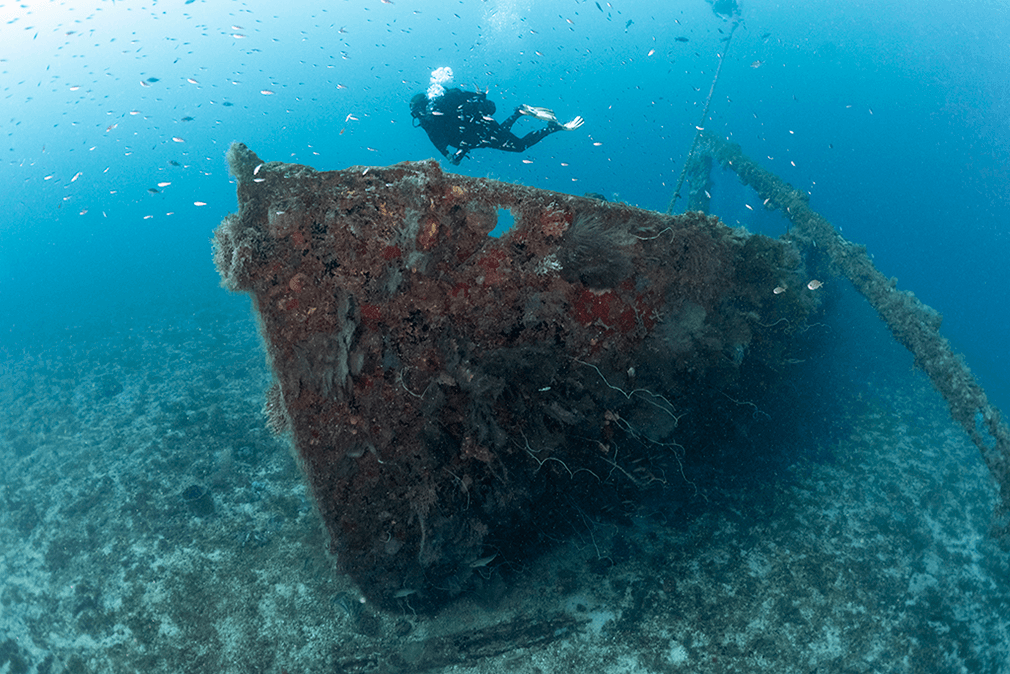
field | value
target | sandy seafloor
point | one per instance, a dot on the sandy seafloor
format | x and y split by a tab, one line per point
868	553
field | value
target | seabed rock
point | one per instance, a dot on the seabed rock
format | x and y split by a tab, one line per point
455	398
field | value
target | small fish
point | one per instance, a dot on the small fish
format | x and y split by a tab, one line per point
651	52
153	79
814	284
483	561
199	203
227	104
598	7
177	139
191	80
110	127
527	161
681	39
187	118
757	64
257	169
134	112
144	84
76	176
628	24
153	190
174	162
597	144
75	87
237	36
766	36
266	92
350	117
779	290
164	184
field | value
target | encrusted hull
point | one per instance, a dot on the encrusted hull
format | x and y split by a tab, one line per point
448	393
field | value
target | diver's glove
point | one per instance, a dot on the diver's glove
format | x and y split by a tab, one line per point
574	124
543	114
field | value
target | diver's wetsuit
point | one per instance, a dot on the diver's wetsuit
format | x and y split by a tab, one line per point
463	120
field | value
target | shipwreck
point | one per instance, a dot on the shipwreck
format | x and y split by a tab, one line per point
450	395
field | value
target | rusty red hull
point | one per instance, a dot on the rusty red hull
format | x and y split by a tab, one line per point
445	391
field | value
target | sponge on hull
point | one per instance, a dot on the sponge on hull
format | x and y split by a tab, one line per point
446	392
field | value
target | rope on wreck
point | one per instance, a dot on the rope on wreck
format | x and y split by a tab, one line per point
701	124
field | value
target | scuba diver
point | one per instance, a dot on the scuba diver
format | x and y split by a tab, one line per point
463	120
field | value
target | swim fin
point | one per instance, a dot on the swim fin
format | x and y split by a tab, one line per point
543	114
574	124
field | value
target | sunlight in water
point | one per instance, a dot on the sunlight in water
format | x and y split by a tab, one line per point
503	17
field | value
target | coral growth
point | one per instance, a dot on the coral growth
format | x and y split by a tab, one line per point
450	394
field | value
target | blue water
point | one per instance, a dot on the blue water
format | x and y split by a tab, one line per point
892	115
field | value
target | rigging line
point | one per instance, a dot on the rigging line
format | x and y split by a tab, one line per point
701	124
